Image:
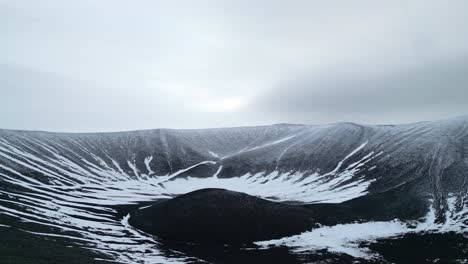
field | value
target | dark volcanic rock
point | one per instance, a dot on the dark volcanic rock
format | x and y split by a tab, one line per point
428	247
221	216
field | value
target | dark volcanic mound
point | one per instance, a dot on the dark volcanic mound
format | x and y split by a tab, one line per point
219	216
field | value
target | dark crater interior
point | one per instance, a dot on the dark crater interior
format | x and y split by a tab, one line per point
219	216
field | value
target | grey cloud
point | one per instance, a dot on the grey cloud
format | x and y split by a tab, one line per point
39	100
143	64
438	86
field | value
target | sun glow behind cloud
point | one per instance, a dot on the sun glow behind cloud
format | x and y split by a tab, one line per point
221	105
199	99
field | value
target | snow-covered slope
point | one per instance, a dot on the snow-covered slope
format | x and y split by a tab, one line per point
71	183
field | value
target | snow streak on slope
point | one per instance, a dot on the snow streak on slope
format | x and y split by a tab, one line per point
345	238
85	213
287	186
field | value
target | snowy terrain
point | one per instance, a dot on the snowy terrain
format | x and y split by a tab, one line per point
65	185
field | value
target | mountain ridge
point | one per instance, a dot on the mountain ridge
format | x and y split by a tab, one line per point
415	174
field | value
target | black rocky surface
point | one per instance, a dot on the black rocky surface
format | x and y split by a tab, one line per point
219	216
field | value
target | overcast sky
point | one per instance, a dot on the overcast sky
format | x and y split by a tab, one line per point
125	65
